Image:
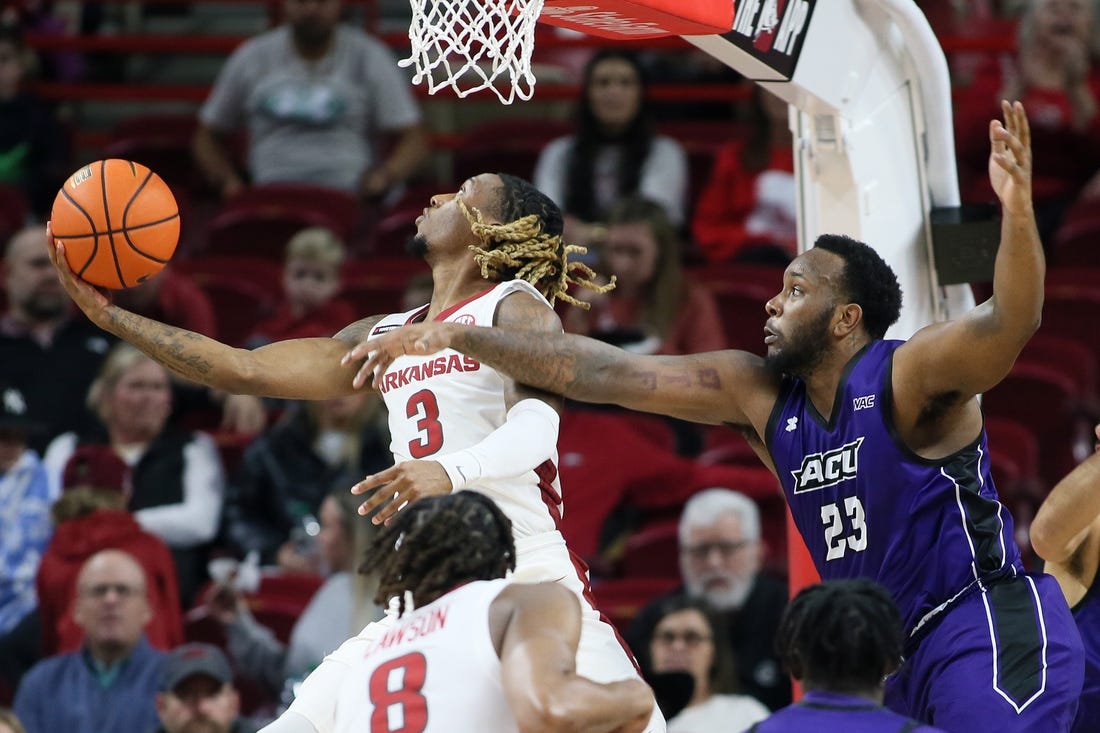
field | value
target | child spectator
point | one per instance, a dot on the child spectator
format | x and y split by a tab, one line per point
311	280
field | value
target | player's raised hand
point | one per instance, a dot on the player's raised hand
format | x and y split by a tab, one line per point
379	352
1010	159
89	299
400	485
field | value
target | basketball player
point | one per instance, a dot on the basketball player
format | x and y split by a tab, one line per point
840	639
472	651
495	249
879	446
1066	534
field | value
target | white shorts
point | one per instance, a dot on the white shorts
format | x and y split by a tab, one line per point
601	655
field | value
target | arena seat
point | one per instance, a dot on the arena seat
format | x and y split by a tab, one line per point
239	304
1043	399
14	209
653	550
620	599
505	146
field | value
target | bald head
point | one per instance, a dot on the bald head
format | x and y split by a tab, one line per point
34	293
111	605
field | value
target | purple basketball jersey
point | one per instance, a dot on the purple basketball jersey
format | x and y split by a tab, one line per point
831	711
1087	615
867	506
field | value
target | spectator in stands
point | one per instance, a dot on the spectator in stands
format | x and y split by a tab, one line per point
52	356
654	308
841	639
688	638
285	474
311	281
24	511
197	693
175	480
339	609
613	153
9	723
315	94
1057	78
747	210
720	553
173	298
91	516
33	150
48	354
109	685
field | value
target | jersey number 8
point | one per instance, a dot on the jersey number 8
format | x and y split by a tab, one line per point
398	705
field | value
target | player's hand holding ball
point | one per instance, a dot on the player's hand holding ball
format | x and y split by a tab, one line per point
117	224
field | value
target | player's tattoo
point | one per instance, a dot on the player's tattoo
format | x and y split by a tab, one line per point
166	344
354	333
709	378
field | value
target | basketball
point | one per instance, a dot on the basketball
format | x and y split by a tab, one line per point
119	223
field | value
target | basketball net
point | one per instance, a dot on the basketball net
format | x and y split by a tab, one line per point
471	45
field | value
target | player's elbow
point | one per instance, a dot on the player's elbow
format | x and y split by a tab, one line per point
1047	541
548	713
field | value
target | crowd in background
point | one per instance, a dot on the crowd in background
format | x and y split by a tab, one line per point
122	488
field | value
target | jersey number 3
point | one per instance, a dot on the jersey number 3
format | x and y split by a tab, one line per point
836	542
395	693
425	409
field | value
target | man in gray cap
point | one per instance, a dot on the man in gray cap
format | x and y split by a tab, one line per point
197	693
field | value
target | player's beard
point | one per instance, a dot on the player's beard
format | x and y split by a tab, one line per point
416	246
804	348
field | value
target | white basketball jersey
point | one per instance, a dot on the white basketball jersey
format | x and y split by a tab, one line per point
448	402
434	671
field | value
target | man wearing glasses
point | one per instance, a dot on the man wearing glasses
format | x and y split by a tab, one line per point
109	684
720	555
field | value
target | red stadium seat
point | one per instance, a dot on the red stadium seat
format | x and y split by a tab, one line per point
653	551
1044	399
1075	242
505	146
261	219
741	292
262	272
377	285
239	304
620	599
162	143
1014	456
14	209
603	463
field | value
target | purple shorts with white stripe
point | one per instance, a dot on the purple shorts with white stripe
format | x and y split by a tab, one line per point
1007	659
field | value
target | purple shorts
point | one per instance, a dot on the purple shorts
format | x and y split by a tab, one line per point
1008	659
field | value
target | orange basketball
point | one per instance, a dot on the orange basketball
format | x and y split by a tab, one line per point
119	222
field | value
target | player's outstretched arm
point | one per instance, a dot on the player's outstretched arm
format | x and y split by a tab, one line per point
307	369
974	353
539	628
714	387
1070	517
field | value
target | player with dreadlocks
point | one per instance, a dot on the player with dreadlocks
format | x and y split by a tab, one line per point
471	651
496	252
841	639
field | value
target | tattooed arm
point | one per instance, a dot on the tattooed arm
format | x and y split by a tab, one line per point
715	387
305	369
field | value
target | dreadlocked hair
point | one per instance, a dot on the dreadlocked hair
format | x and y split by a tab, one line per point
842	636
437	544
530	246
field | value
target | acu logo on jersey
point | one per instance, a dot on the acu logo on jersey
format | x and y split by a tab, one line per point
826	469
